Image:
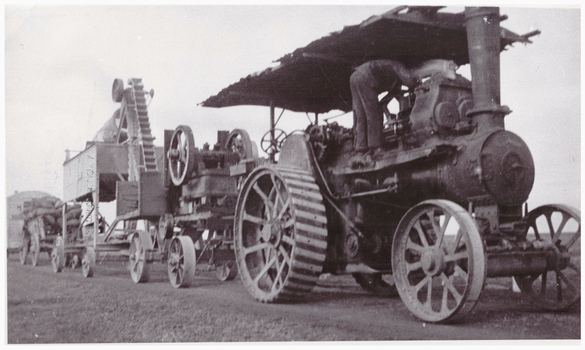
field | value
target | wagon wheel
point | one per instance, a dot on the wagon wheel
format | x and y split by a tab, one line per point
226	271
181	155
58	255
272	147
35	249
24	249
557	289
375	284
438	261
181	262
74	261
280	233
238	141
88	262
139	268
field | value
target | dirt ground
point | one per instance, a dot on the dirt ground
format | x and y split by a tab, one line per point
44	307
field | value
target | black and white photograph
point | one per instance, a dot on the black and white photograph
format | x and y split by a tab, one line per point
328	174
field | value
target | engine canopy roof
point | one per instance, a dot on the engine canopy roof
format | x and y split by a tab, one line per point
315	78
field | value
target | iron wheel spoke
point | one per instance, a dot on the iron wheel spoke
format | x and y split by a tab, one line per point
449	284
421	234
456	256
255	248
557	234
254	219
288	240
264	270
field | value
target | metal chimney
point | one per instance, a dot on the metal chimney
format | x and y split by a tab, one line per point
483	42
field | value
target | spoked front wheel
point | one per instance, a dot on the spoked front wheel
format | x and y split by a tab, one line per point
181	262
438	261
558	288
139	267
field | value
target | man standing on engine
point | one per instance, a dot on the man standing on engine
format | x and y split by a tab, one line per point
374	77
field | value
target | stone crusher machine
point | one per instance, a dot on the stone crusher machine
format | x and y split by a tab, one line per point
439	209
166	197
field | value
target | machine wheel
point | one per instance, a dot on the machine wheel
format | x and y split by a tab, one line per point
438	261
181	155
375	284
181	262
139	268
35	249
239	142
557	289
226	271
280	233
118	90
24	249
88	262
268	146
58	255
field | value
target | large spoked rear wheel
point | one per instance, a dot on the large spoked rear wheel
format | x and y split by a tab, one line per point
181	262
280	233
557	289
438	261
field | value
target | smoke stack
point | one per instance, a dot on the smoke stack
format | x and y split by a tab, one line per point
483	42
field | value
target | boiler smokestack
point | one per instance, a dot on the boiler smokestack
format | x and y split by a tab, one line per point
483	42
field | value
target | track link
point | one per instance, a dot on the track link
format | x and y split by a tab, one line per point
310	233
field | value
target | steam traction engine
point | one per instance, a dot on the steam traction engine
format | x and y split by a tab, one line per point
440	208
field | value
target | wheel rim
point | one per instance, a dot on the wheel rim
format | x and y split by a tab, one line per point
181	262
35	249
280	234
181	155
438	261
558	289
137	257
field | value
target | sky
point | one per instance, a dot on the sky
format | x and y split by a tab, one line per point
60	62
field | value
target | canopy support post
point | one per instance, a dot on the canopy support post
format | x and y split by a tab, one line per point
272	127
